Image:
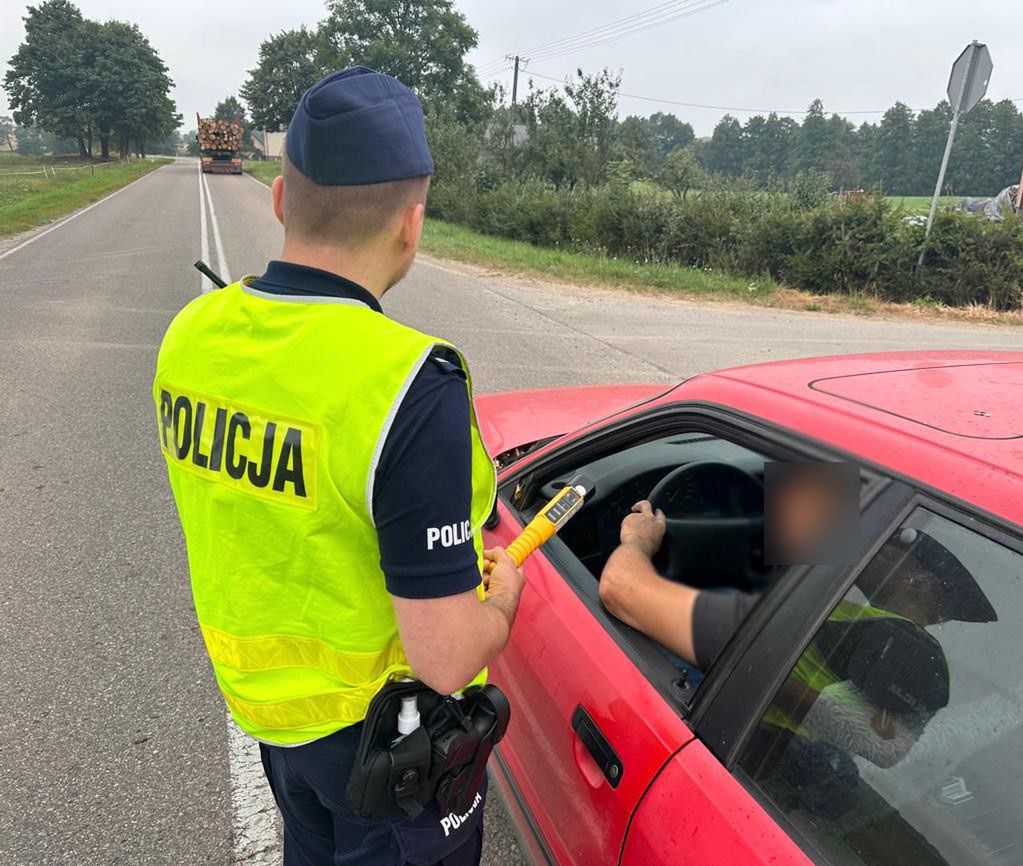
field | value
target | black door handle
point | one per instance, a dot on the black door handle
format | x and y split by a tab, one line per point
598	746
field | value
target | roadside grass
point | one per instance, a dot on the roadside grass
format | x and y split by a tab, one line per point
457	243
264	171
450	241
36	190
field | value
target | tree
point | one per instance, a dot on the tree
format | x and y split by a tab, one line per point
169	145
930	132
570	138
668	133
758	156
634	143
287	67
74	77
814	143
681	172
45	81
422	43
7	132
31	140
842	163
723	154
893	159
229	108
130	89
595	100
1006	143
550	148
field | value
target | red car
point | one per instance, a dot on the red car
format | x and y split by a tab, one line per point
618	754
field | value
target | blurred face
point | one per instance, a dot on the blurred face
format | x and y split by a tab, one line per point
806	513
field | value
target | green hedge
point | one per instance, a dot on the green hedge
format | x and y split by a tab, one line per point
868	246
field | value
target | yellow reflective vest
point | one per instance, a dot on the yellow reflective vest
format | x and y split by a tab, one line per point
272	413
813	671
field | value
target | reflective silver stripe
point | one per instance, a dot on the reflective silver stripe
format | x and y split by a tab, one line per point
302	299
388	421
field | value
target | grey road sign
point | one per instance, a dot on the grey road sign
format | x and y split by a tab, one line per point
966	87
970	75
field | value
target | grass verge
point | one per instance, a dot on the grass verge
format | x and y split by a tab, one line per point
449	241
265	171
36	190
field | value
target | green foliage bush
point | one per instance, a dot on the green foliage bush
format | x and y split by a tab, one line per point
865	246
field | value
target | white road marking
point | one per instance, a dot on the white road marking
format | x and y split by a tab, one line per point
221	259
73	216
205	284
254	827
256	836
257	180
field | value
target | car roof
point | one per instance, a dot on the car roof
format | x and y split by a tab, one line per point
924	414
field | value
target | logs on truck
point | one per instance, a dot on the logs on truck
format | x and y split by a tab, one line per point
220	143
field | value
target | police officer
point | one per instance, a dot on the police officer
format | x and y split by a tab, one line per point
331	480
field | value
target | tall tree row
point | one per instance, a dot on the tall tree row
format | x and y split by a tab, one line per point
901	153
96	83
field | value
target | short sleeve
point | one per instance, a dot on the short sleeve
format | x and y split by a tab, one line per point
422	497
716	617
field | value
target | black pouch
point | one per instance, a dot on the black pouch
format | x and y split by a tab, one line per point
461	750
444	758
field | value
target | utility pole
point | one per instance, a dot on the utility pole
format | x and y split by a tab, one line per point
515	78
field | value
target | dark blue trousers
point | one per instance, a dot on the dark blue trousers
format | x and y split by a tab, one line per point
309	782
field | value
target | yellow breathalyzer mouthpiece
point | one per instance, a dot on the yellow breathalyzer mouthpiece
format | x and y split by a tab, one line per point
542	528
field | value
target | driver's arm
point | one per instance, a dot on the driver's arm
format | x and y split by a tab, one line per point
633	591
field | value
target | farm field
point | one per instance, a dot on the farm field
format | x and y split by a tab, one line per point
37	189
922	203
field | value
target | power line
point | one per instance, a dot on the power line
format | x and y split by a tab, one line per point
694	10
603	30
497	74
729	107
491	66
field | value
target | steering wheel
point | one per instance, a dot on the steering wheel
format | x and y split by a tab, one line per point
714	513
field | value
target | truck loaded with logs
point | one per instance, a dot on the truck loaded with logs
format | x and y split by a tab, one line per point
220	143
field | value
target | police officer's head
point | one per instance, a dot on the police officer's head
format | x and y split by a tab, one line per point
356	171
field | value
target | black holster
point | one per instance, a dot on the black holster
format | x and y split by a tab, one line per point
443	759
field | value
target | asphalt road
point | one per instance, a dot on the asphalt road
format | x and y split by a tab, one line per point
114	747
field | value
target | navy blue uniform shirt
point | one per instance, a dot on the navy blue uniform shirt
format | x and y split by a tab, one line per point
424	477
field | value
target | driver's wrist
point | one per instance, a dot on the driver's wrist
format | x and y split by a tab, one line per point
639	547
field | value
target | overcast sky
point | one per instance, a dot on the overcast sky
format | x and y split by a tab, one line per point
856	55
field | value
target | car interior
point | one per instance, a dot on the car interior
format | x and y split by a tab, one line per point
710	490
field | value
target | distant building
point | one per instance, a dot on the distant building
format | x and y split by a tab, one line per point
519	134
273	146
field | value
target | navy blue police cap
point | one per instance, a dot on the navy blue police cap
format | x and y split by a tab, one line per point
358	126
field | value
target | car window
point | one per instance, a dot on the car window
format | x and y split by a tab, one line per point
898	735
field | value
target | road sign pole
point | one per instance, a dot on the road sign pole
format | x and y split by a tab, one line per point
958	97
937	188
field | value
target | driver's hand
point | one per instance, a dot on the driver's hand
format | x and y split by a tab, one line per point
644	528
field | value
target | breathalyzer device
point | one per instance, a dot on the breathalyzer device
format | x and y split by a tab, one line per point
543	527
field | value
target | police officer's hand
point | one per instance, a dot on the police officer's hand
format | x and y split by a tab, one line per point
644	529
506	578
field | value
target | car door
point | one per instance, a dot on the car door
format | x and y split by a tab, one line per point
594	718
588	731
898	765
696	812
